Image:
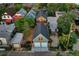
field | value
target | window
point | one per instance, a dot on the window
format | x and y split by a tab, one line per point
40	38
41	18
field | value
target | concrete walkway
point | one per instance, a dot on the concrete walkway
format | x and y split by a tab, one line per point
55	40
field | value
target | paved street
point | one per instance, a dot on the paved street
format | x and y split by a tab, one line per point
29	53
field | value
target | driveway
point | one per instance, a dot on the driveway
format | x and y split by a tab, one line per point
53	25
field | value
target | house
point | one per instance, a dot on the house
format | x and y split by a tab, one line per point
40	38
7	18
59	13
11	27
5	38
5	34
21	13
41	16
7	28
16	41
31	14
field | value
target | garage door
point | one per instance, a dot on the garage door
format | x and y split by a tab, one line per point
37	44
44	44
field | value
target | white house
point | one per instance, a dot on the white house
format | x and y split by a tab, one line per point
40	38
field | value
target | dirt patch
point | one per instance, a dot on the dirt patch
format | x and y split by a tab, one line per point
29	36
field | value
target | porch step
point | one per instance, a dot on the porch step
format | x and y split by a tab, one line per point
39	49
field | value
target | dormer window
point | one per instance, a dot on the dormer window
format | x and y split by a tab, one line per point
40	38
41	19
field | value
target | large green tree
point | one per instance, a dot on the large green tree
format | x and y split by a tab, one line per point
18	6
67	42
52	7
64	22
38	6
21	25
31	21
2	10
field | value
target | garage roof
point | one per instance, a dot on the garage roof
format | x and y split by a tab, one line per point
22	11
42	13
17	38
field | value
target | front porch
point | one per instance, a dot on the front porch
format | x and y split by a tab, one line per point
34	49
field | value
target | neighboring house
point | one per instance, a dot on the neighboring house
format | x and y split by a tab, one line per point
40	38
5	38
31	14
17	40
7	28
21	13
59	13
11	27
52	23
7	18
5	34
41	16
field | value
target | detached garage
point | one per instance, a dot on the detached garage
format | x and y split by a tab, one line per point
16	41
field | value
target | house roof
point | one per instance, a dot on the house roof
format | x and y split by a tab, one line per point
41	29
6	16
17	38
6	35
22	11
31	13
8	28
42	13
6	31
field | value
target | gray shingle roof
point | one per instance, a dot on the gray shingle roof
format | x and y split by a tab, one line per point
17	38
6	35
31	13
41	29
22	11
42	13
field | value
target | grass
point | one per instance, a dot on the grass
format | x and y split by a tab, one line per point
3	53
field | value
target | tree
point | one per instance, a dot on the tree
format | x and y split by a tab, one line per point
21	25
38	6
2	10
67	42
31	21
64	22
52	7
18	6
